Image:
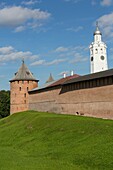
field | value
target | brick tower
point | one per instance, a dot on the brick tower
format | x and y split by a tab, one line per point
22	82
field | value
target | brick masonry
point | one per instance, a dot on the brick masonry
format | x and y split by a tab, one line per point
95	102
19	99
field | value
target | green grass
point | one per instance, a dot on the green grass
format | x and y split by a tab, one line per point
46	141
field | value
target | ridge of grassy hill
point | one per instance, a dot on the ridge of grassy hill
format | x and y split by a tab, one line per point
45	141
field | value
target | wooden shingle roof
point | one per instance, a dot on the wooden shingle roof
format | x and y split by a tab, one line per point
54	84
97	75
23	74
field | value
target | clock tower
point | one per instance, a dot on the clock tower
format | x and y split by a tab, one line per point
98	53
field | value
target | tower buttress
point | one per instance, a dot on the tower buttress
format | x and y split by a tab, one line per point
98	53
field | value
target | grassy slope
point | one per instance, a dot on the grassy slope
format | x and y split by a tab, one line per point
44	141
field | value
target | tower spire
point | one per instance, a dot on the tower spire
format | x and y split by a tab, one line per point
97	31
50	79
97	28
23	61
97	23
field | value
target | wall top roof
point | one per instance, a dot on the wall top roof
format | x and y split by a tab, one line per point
63	80
54	83
23	74
97	75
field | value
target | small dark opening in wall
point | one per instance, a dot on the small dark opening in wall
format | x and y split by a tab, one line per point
77	113
27	73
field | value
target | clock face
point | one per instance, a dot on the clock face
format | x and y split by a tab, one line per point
102	57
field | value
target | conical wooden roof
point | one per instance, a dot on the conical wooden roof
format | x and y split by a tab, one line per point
23	74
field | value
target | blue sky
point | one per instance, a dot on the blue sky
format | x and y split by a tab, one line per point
53	36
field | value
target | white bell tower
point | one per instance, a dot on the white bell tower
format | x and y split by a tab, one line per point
98	54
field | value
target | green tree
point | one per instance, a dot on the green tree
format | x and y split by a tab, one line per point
4	103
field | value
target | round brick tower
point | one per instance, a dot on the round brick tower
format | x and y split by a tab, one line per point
22	82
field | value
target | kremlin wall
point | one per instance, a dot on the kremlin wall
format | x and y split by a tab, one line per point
88	95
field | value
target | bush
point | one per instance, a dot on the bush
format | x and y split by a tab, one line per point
4	103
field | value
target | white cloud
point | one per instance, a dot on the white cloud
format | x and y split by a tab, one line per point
44	62
93	2
6	50
106	2
79	48
106	24
10	54
54	62
31	2
75	29
20	29
70	51
102	2
111	49
61	49
17	16
65	54
63	72
74	1
78	58
39	62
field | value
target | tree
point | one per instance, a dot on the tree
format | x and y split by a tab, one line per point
4	103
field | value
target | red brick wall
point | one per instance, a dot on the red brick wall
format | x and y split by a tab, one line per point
45	101
97	102
19	100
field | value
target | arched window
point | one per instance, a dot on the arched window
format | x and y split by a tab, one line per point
96	50
91	58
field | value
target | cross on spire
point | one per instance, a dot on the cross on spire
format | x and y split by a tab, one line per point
23	60
97	31
97	23
97	28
